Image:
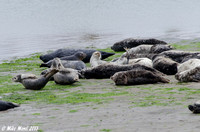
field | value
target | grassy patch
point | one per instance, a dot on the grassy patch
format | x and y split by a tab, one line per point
73	111
36	114
105	130
185	45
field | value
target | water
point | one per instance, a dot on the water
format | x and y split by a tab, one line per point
37	26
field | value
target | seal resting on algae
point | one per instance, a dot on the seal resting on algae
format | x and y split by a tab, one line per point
4	105
30	81
165	65
67	52
130	43
106	71
135	77
65	75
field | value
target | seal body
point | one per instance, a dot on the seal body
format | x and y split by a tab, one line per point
95	59
65	76
195	108
135	77
142	61
159	48
77	65
130	43
189	64
30	81
106	71
7	105
190	75
165	65
178	55
67	52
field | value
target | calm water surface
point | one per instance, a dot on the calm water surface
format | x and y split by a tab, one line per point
29	26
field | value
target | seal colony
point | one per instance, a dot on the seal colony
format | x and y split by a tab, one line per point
144	61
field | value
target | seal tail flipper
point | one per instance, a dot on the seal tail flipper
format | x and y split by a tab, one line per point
164	80
13	105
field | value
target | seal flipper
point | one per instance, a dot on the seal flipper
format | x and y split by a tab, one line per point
7	105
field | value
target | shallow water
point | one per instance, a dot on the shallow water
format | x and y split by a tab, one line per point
38	26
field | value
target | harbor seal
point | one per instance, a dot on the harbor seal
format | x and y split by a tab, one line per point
190	75
67	52
65	76
30	81
77	65
159	48
142	61
79	56
195	108
130	43
178	55
190	64
95	59
4	105
135	77
106	71
165	65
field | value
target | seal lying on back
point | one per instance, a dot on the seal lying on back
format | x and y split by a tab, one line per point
177	55
95	59
30	81
106	71
165	65
67	52
77	65
190	75
7	105
134	77
195	108
65	75
130	43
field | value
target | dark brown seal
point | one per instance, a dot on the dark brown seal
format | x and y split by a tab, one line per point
106	71
130	43
135	77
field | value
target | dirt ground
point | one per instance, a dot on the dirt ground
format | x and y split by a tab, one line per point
117	115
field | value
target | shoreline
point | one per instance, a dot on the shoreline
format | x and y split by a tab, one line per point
98	104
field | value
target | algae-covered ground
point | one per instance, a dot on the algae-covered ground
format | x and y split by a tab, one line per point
97	104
